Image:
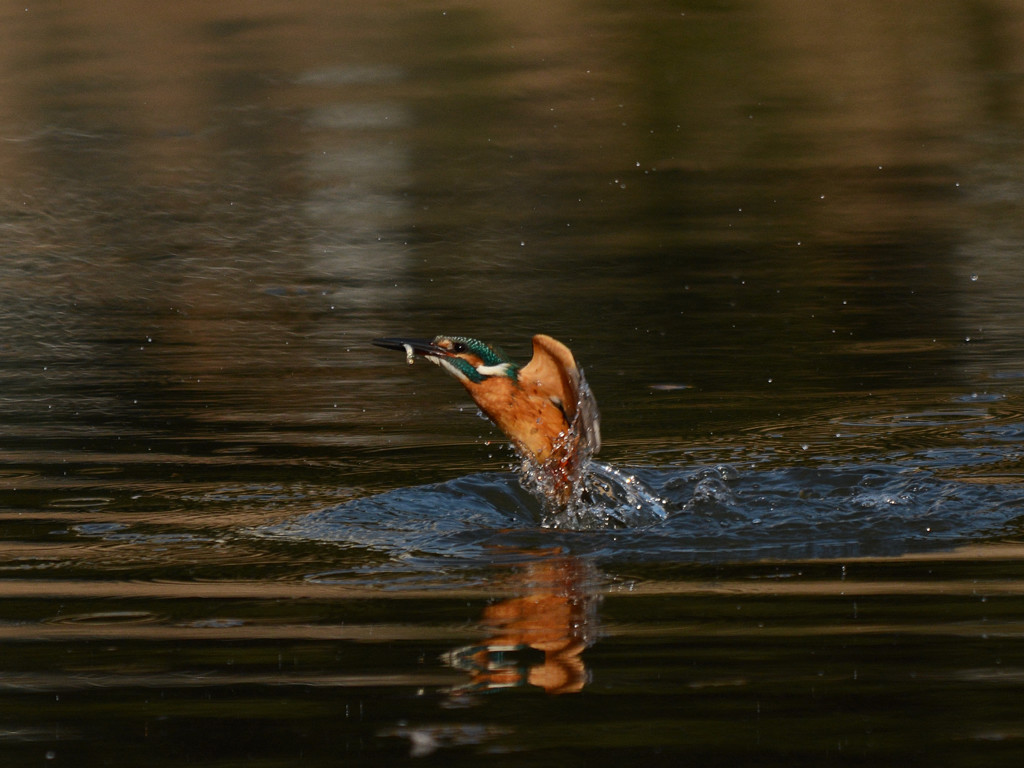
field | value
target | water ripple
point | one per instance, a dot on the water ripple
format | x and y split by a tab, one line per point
727	512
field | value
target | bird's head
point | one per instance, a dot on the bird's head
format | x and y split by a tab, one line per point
471	361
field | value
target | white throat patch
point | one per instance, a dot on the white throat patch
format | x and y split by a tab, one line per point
501	369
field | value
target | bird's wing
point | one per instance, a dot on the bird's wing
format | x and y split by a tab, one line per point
554	372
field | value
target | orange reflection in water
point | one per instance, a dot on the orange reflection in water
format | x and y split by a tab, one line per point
536	638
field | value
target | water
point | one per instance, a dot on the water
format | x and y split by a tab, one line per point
784	242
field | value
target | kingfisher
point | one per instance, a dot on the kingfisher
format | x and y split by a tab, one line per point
545	408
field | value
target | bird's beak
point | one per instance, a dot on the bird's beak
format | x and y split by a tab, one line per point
411	347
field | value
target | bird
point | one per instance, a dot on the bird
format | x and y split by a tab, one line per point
545	408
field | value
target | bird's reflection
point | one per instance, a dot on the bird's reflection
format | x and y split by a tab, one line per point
536	638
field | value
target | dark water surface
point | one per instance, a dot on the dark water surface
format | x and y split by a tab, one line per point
786	241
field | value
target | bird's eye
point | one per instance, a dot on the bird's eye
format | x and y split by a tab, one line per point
458	347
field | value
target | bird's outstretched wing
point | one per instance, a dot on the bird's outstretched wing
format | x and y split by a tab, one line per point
554	372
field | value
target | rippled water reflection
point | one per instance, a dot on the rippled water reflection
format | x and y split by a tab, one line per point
784	241
757	504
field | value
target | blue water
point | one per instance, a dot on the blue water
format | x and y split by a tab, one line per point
745	510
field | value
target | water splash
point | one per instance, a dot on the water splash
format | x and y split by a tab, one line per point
577	493
605	497
711	513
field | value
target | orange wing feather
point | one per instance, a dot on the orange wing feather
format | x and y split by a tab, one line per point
553	373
